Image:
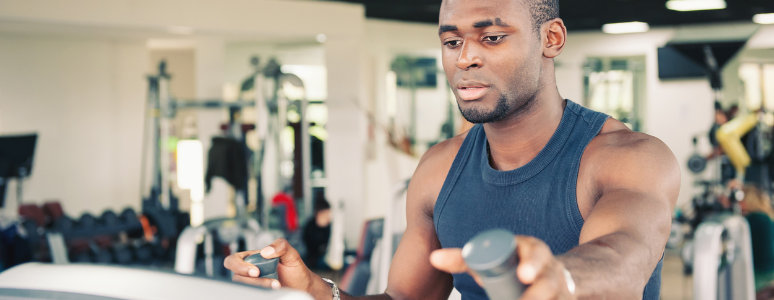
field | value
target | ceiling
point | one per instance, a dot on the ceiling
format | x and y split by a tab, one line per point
585	15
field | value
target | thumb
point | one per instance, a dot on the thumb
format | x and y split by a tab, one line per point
448	260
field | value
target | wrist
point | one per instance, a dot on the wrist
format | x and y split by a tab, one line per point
321	290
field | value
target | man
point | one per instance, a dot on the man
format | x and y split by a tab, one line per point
590	199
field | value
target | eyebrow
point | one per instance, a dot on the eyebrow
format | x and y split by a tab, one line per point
479	24
488	22
446	28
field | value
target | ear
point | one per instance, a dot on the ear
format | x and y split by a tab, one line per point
555	37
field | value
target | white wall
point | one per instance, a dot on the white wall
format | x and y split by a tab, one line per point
85	98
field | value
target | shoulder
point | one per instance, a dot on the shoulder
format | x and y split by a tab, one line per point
622	158
617	143
432	170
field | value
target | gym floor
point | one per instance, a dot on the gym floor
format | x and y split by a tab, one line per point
674	285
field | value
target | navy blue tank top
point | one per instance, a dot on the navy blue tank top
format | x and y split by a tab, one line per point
537	199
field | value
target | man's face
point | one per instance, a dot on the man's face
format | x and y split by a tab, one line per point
491	55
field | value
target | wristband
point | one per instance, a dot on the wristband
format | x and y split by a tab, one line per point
334	288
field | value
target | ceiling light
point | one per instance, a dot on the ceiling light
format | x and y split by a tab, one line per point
692	5
764	18
627	27
321	38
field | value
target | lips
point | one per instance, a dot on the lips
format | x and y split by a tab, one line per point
471	90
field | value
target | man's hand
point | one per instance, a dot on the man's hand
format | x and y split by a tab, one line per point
538	269
291	270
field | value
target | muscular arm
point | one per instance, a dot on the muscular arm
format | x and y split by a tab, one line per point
411	275
624	233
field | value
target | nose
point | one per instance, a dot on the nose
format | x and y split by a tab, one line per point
469	56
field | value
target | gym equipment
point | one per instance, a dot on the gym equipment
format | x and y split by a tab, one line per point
239	234
270	118
63	225
108	219
357	279
697	163
722	259
53	211
34	213
729	136
267	268
492	255
122	253
82	281
143	252
16	155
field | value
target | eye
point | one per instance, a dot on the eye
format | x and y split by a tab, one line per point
494	39
452	43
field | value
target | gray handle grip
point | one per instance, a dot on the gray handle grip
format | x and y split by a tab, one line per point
267	267
492	255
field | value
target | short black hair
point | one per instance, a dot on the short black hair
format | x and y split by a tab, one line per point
320	204
542	11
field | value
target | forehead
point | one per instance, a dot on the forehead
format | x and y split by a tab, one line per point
461	11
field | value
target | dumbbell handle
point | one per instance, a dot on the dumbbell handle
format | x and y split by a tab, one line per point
505	286
267	268
492	255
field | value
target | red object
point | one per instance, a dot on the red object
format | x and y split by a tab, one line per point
34	213
53	210
291	215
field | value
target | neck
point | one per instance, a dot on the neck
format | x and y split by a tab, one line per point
515	141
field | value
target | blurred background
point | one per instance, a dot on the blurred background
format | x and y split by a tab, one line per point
169	134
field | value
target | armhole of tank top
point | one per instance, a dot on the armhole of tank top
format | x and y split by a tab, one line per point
454	172
574	215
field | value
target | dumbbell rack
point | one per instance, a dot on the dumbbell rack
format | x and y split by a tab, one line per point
107	239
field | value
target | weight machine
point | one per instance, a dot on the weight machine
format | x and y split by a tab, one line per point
244	231
270	118
720	252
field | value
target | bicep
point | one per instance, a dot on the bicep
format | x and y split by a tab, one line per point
411	274
638	192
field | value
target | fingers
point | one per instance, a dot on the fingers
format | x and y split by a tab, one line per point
236	264
448	260
545	288
264	282
281	248
534	257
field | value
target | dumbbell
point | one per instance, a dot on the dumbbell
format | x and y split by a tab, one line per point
697	163
143	251
492	255
100	255
267	268
86	225
63	225
122	253
80	257
130	223
109	219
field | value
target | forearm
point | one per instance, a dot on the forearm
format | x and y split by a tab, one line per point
610	267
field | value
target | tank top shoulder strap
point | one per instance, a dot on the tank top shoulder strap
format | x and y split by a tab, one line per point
475	134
